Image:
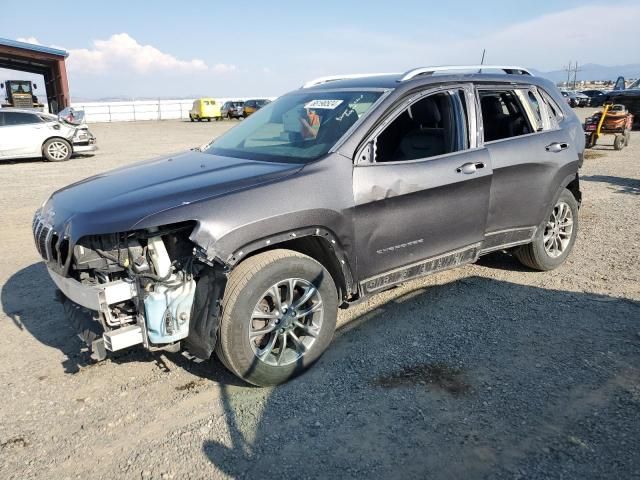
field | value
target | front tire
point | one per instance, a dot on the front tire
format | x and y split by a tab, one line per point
57	150
279	314
555	237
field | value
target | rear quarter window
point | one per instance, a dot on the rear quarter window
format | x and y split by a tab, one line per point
554	112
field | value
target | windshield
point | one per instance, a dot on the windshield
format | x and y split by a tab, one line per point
298	127
20	87
635	84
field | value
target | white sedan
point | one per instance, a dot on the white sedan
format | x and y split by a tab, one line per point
31	134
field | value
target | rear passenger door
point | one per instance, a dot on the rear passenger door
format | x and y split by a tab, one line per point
421	189
529	152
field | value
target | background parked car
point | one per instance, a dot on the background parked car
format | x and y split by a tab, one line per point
252	106
234	109
205	109
30	134
597	97
583	100
575	99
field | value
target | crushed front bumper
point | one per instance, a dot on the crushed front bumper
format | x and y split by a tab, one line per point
94	297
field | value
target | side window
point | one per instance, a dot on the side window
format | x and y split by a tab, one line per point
503	116
20	118
434	125
553	110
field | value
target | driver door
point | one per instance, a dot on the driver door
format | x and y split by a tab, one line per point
422	194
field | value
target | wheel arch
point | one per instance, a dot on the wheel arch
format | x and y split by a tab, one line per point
319	243
573	185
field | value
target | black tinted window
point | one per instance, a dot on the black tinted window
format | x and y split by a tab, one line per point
502	115
20	118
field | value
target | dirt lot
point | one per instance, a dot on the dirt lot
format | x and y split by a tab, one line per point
488	371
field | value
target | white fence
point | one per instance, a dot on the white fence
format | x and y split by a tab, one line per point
141	109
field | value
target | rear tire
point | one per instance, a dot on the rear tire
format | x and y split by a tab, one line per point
555	237
619	141
295	336
589	142
57	150
190	117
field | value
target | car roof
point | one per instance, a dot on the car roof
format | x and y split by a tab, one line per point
425	76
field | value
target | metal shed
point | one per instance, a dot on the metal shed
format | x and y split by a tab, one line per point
46	61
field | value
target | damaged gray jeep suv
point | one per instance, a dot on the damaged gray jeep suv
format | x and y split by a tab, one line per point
341	189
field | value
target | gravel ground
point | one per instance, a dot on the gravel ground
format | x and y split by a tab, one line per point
487	371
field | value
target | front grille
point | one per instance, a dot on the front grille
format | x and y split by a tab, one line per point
50	246
23	102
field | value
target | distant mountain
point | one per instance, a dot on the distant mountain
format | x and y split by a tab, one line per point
592	71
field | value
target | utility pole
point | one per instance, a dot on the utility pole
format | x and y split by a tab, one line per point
568	70
575	74
572	69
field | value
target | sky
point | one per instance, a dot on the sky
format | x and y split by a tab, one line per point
255	48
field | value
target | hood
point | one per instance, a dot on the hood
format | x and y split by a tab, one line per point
115	201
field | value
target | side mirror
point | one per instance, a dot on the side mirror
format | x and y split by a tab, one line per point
2	85
35	87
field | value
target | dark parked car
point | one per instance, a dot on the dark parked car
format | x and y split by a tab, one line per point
330	194
232	110
596	97
629	97
575	99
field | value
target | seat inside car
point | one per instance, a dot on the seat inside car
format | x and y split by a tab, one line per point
496	123
429	135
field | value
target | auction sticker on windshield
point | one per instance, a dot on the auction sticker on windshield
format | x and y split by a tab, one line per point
326	104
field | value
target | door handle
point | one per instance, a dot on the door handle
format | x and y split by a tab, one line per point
556	147
470	167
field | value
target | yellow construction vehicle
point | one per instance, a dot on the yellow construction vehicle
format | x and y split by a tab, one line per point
19	94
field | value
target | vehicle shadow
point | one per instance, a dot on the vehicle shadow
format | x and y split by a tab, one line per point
624	185
29	300
477	378
17	161
503	261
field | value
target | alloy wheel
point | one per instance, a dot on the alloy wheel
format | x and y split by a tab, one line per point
58	150
286	322
558	230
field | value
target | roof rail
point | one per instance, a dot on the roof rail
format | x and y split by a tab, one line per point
333	78
510	70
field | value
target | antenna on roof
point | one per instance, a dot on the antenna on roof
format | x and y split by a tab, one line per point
484	50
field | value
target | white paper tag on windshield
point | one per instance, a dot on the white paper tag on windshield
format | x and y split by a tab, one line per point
326	104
